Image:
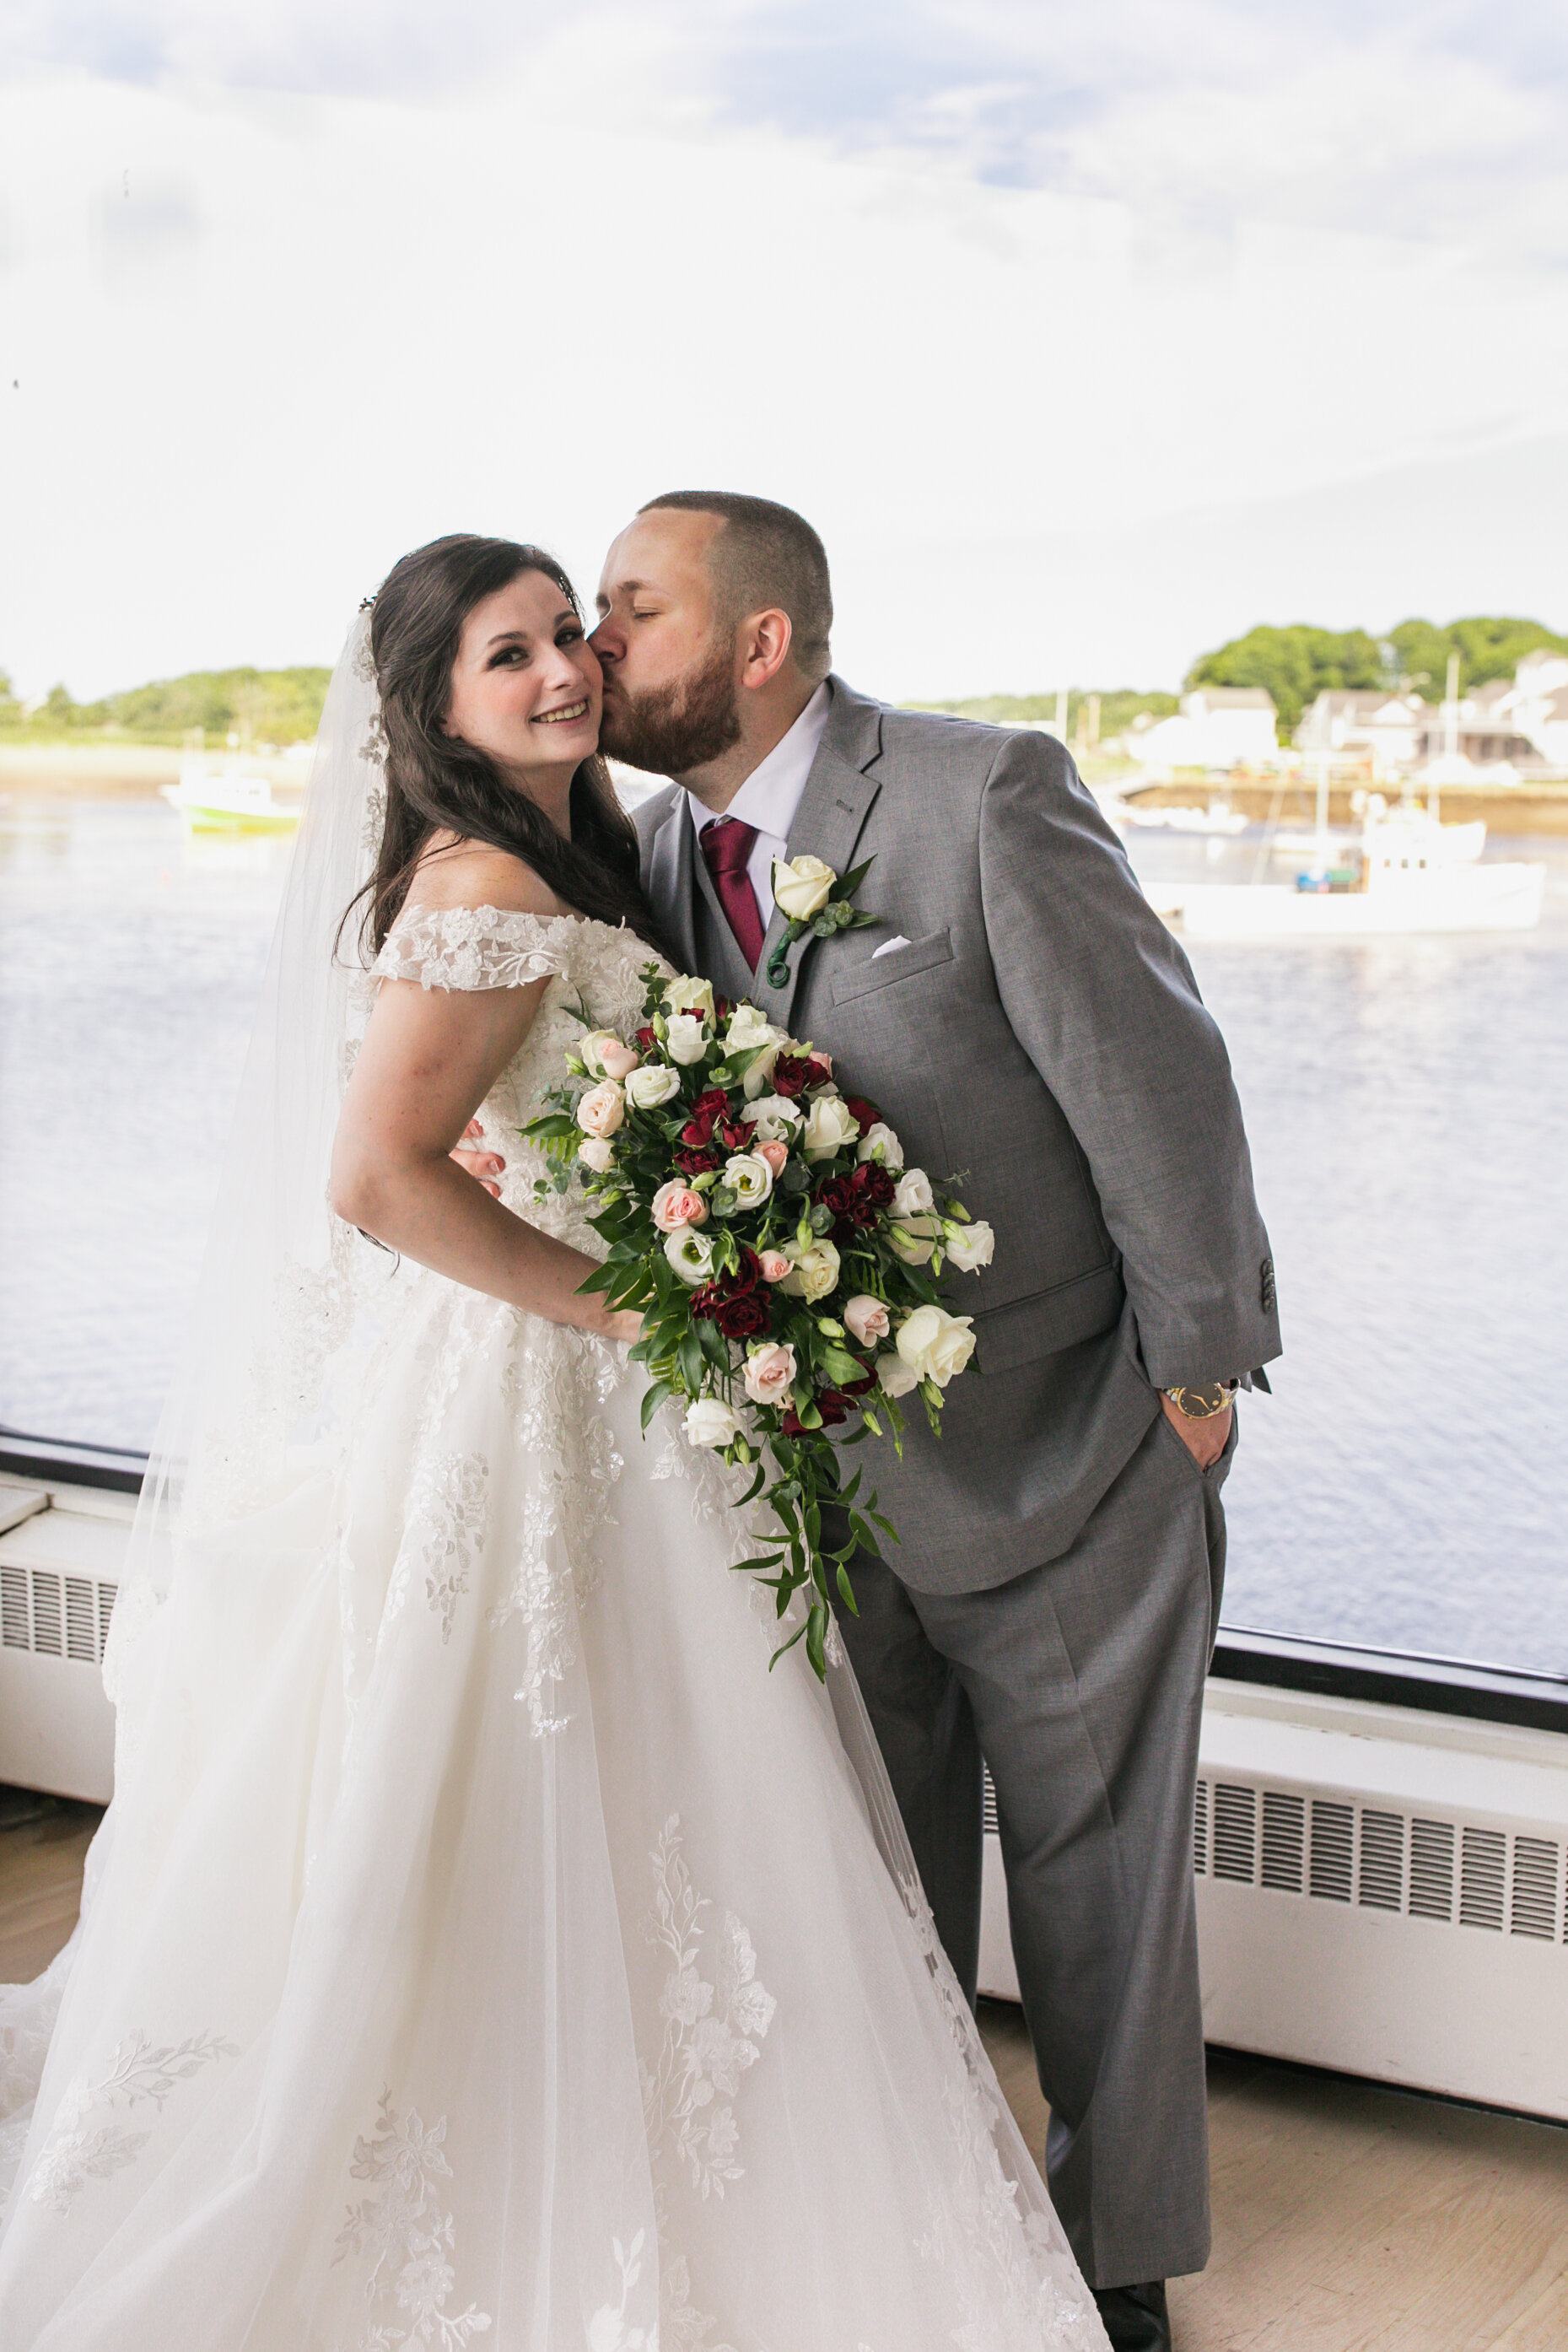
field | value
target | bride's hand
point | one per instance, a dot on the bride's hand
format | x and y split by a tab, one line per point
627	1324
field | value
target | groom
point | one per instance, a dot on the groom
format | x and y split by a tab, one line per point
1020	1015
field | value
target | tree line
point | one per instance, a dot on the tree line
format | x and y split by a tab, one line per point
1297	663
267	706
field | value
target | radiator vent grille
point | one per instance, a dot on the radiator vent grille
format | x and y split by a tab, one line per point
1235	1832
1333	1840
1431	1870
1533	1909
1284	1833
1483	1866
1380	1883
1333	1850
57	1616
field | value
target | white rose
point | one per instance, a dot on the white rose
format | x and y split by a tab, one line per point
691	1255
689	995
802	887
602	1111
770	1373
759	1076
746	1027
710	1422
914	1240
970	1247
749	1178
606	1055
596	1151
893	1376
880	1143
687	1040
774	1118
647	1088
816	1270
935	1344
912	1195
829	1125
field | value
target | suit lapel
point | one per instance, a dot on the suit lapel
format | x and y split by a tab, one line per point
671	879
828	823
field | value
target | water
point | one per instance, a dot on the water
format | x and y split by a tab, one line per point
1406	1485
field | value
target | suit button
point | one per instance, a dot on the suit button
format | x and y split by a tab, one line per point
1266	1284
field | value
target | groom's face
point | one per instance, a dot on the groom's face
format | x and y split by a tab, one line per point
668	652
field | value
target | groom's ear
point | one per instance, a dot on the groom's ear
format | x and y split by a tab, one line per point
765	641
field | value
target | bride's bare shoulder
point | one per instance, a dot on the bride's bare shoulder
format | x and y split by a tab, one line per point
459	872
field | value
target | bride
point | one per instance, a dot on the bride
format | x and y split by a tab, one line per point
482	1946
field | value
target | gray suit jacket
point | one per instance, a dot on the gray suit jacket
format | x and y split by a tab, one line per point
1042	1033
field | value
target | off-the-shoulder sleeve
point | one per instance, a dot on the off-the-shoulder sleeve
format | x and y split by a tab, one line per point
472	947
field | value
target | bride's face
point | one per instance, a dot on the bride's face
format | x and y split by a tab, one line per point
527	687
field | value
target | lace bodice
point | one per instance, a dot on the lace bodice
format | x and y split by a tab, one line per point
592	969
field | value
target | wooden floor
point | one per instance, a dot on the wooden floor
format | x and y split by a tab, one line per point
1346	2219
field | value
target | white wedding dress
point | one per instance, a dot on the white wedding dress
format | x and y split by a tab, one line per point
483	1947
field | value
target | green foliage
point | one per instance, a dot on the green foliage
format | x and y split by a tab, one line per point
1488	648
270	706
1294	665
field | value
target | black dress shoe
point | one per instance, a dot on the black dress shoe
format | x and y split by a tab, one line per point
1134	2317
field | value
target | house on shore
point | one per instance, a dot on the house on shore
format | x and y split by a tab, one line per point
1503	730
1222	727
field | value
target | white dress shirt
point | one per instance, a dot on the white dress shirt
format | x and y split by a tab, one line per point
770	796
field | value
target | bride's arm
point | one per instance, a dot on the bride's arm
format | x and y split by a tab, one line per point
428	1060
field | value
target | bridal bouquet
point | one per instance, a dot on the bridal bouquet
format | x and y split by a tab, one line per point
784	1259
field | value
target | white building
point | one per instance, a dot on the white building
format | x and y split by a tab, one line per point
1220	727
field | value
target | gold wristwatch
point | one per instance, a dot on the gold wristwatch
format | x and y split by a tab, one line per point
1203	1403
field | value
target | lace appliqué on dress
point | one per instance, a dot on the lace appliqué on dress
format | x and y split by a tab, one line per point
709	2025
409	2236
446	1527
472	947
79	2150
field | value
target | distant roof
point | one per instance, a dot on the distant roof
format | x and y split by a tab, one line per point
1492	692
1236	697
1361	703
1557	704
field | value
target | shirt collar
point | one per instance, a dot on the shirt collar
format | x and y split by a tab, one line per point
771	793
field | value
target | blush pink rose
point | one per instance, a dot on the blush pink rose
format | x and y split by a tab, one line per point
770	1374
602	1111
867	1319
675	1205
775	1266
618	1061
776	1154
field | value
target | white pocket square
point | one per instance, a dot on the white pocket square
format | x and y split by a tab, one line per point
888	947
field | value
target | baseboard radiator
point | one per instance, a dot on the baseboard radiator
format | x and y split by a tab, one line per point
1379	1890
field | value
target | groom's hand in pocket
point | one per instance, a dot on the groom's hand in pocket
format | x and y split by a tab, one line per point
475	1158
1204	1440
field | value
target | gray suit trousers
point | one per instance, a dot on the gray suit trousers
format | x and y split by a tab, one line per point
1081	1682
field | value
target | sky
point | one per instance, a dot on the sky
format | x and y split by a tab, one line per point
1086	338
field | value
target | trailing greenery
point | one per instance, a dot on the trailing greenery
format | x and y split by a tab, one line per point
268	706
1297	663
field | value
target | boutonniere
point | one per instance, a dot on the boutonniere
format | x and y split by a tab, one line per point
803	891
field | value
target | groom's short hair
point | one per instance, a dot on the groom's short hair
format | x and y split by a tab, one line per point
767	554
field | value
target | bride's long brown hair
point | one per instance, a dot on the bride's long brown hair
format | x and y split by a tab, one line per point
438	783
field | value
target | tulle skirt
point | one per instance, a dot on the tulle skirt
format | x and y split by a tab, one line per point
485	1948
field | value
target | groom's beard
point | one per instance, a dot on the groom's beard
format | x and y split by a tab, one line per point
670	730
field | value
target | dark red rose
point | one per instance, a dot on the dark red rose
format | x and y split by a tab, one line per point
876	1188
858	1387
721	1008
697	1162
745	1316
741	1282
647	1039
746	1276
866	1114
791	1075
737	1134
839	1195
832	1404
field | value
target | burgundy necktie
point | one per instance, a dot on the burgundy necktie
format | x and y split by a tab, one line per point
726	845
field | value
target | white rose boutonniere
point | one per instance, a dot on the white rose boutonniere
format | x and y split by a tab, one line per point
811	898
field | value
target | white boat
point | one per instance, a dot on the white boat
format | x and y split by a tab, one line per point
231	802
1413	874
